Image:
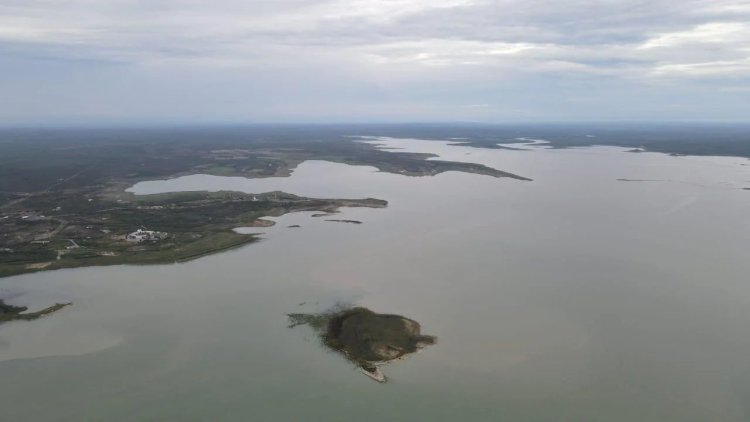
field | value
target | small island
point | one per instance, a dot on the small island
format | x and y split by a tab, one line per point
366	338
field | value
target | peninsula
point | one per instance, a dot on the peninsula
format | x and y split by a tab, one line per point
18	313
61	231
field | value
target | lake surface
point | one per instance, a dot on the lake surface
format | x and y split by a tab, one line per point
577	296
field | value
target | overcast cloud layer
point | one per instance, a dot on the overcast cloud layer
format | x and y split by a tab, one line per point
373	60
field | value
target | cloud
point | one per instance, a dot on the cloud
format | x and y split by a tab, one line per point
715	49
709	33
441	52
724	67
433	33
395	48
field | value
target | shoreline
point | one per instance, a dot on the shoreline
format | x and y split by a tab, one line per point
190	225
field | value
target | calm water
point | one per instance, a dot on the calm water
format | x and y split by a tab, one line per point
573	297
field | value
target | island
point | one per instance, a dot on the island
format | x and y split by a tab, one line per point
366	338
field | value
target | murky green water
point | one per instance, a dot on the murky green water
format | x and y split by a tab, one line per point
573	297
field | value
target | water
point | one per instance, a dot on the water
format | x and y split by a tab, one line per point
572	297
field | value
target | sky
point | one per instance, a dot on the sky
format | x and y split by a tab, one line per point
253	61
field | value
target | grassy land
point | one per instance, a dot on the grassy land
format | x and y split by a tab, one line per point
94	232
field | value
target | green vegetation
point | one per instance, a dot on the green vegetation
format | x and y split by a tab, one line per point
16	313
365	337
192	224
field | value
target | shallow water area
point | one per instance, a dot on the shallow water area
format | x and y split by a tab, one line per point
611	287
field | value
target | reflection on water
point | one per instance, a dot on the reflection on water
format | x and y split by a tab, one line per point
572	297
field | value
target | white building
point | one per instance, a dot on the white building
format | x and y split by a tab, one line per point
139	236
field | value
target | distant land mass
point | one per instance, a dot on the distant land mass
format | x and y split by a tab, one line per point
63	199
721	139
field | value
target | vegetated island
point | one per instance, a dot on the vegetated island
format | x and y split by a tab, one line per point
366	338
17	313
345	221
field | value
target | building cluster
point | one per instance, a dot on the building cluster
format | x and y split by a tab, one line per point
140	236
